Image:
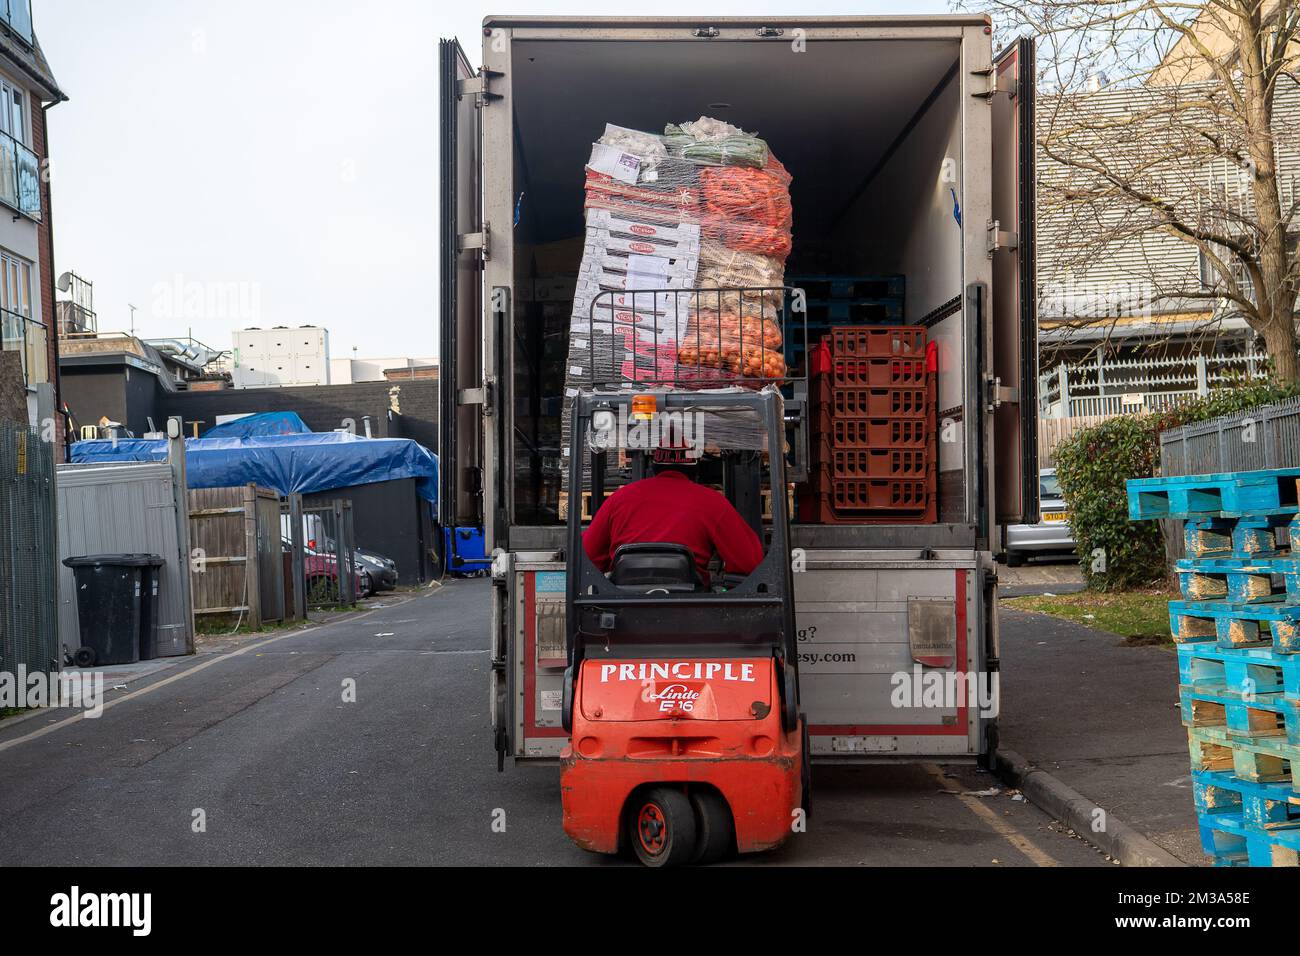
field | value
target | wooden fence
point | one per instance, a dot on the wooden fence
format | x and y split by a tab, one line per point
237	564
1053	431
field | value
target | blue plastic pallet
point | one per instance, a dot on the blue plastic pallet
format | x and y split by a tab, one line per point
1233	842
841	311
1271	491
1237	580
1234	625
1209	668
842	286
1245	538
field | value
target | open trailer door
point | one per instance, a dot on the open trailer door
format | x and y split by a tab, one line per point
1014	300
460	314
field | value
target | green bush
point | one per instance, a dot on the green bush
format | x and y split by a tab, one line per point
1094	464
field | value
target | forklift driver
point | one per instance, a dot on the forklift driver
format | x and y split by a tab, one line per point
670	508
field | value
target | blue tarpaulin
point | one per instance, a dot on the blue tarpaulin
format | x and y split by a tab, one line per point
255	426
316	461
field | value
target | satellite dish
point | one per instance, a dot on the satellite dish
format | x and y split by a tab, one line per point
65	282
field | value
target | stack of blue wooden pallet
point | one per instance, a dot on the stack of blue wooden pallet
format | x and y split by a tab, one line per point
1238	638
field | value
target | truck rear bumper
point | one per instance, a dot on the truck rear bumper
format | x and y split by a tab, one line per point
762	792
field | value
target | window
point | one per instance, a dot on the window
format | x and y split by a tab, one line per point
21	332
18	14
20	171
12	118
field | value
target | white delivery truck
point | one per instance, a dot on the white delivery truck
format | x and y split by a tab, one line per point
911	150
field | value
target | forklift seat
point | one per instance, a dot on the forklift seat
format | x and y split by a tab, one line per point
655	566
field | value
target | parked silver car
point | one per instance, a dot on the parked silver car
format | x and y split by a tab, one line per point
1052	535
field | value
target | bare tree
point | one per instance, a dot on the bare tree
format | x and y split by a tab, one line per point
1164	125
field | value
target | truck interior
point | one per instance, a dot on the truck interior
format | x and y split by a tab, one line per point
870	130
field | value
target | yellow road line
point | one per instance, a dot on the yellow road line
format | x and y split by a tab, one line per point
81	715
1004	829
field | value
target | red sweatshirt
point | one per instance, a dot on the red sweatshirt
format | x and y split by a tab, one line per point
675	510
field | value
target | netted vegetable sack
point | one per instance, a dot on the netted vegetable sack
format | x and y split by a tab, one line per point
706	206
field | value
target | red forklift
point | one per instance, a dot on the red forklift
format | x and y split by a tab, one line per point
680	698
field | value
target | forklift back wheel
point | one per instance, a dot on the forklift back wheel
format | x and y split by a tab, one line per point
84	657
662	827
566	700
789	700
714	828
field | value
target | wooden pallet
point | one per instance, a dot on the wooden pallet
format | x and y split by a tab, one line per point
587	512
1257	759
1240	581
1244	718
1262	805
1232	842
1206	667
1246	538
1236	624
1271	491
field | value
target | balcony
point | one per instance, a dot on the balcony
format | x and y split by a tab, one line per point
17	16
20	177
27	337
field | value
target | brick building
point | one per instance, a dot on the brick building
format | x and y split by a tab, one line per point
28	91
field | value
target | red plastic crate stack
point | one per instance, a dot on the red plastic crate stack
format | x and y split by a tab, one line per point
874	428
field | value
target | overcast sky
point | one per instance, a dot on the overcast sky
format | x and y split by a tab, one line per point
239	163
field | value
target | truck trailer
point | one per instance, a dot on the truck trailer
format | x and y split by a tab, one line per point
911	149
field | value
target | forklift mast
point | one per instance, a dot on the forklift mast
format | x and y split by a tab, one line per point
755	617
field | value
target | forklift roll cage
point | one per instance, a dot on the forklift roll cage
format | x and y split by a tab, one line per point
755	618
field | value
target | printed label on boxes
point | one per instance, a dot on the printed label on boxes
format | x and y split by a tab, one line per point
614	163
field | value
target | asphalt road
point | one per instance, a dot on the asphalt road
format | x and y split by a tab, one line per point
251	755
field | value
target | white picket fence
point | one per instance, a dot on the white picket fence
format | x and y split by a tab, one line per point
1107	388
